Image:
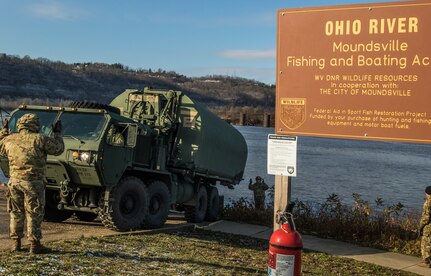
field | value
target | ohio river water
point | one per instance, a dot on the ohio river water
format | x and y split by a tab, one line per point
396	172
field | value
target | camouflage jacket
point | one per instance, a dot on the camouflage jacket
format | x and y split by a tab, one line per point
27	152
425	218
258	188
114	137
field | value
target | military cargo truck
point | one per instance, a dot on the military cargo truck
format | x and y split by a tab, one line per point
130	162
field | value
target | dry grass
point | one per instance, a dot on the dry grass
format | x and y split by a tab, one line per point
177	253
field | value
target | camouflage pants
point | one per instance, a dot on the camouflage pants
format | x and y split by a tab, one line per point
259	202
26	200
426	244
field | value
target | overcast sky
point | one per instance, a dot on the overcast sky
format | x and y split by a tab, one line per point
191	37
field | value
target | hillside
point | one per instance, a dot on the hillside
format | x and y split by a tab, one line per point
42	81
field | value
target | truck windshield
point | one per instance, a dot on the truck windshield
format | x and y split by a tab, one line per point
46	119
85	126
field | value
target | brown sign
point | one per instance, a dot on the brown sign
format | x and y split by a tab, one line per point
361	71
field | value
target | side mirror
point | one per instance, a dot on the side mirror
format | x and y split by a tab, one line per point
132	133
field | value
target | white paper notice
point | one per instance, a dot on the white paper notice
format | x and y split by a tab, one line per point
282	151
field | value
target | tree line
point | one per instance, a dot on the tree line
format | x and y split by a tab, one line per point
43	81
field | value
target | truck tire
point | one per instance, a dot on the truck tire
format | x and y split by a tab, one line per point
197	213
128	205
159	204
85	216
213	209
52	213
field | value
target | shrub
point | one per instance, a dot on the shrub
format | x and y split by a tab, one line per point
243	210
387	227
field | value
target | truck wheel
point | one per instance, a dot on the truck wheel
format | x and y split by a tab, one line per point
52	214
128	205
158	209
197	213
85	216
213	209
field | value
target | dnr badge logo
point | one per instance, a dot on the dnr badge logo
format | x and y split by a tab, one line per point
292	112
290	169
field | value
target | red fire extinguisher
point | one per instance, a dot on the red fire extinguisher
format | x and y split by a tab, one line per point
285	246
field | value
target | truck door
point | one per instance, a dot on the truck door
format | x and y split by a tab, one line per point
118	151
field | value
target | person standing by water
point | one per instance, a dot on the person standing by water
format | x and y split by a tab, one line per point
27	151
258	188
425	230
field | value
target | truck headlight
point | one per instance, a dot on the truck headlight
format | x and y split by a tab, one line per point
85	156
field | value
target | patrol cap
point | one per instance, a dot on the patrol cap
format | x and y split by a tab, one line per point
29	121
428	190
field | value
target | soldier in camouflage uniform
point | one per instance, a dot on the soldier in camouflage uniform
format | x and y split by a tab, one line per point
425	229
114	137
27	152
258	188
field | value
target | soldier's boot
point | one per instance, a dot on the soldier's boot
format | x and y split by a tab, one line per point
37	248
16	245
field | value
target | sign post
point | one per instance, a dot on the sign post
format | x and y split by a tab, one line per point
282	151
282	194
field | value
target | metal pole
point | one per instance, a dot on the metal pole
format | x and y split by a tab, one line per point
242	119
266	120
1	116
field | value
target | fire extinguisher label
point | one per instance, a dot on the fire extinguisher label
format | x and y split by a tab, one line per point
285	266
